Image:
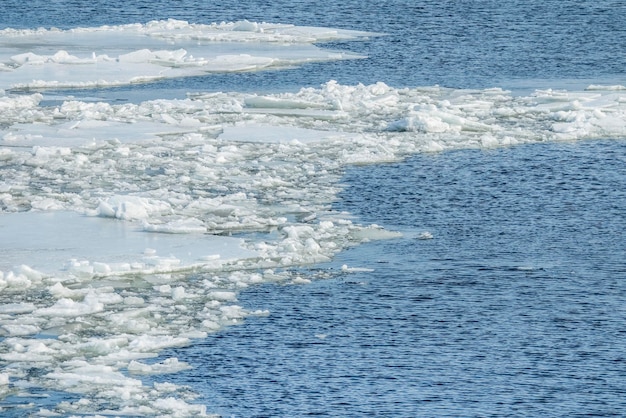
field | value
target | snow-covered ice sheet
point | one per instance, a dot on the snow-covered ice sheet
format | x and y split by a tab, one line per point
96	246
115	218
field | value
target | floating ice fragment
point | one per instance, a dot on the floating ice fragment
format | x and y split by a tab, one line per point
245	26
434	146
178	293
30	273
259	312
600	87
132	207
347	269
425	235
223	296
29	58
165	288
170	365
179	408
282	103
17	308
489	141
81	373
374	232
20	329
232	313
59	291
69	308
181	226
311	246
134	301
149	343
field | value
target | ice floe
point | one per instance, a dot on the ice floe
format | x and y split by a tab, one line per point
136	53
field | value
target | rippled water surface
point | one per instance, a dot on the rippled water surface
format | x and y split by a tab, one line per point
515	307
475	44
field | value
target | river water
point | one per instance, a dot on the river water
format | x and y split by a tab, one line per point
515	307
506	294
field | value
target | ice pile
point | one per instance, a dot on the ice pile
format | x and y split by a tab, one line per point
126	229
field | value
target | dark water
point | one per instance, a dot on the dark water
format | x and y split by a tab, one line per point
516	307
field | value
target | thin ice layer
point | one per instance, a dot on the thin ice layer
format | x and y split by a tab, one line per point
118	55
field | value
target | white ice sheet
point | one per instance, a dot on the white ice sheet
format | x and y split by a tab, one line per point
51	242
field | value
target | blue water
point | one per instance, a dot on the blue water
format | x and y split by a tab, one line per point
516	307
467	44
